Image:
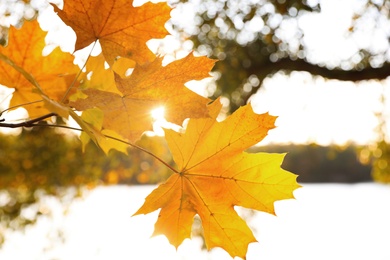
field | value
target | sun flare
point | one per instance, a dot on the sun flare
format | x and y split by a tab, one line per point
158	113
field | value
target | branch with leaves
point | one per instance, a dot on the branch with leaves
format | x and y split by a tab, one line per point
212	174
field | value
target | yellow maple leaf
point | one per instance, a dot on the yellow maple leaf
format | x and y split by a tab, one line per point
102	77
121	28
52	72
92	120
214	175
150	86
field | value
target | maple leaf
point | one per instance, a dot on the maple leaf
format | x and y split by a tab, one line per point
51	73
214	175
150	86
99	76
92	120
121	28
102	77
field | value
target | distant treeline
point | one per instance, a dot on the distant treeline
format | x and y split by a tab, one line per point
44	158
314	163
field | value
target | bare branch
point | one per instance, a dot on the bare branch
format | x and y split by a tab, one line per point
29	123
287	64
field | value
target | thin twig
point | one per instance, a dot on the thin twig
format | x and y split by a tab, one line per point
20	105
118	140
29	123
78	75
5	97
143	150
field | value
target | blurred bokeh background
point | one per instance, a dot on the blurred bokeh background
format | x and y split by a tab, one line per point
322	67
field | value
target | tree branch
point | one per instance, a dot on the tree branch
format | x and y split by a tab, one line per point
287	64
267	68
29	123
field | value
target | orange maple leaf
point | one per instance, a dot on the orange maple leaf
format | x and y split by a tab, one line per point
121	28
214	175
53	73
150	86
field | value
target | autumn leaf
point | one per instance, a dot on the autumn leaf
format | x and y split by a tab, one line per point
51	73
214	175
150	86
92	120
122	66
56	107
121	28
98	76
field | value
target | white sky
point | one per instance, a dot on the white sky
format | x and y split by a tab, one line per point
327	111
317	110
327	221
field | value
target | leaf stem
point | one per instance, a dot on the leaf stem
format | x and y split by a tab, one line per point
78	75
143	150
29	124
20	105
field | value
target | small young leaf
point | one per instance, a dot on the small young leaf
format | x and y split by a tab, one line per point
98	76
94	117
56	107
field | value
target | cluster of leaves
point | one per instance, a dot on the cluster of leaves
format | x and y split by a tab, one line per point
213	173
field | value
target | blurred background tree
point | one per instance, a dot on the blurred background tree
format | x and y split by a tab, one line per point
255	39
43	162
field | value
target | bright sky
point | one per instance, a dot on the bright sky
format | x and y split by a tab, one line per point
317	110
329	221
308	109
328	111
